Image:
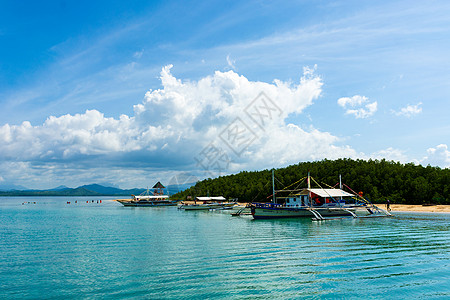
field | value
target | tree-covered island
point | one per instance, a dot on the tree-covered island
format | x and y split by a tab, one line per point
379	180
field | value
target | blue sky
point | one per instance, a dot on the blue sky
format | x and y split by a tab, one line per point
131	93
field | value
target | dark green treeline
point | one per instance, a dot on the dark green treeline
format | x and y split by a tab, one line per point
377	179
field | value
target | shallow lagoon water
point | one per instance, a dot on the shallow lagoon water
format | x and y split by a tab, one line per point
52	249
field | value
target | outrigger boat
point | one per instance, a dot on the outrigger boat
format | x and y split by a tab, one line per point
207	203
145	199
316	203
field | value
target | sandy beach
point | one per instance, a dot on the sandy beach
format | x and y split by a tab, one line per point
417	208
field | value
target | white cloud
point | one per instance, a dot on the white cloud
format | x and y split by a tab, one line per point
439	156
390	154
358	106
409	110
353	101
63	137
138	54
231	62
170	128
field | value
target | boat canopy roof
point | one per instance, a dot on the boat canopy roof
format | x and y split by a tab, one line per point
219	198
152	197
158	185
328	192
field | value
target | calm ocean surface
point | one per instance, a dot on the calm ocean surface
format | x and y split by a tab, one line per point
103	250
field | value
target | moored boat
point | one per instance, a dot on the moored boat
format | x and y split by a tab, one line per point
207	203
316	203
157	198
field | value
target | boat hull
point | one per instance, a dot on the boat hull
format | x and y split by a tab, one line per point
146	203
306	212
206	206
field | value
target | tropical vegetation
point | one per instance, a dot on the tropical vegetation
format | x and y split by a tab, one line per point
379	180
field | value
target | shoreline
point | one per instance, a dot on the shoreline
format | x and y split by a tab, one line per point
394	207
417	208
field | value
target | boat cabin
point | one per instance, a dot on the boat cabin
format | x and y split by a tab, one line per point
150	197
317	197
297	201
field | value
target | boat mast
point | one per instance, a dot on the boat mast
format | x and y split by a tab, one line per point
309	192
273	185
309	181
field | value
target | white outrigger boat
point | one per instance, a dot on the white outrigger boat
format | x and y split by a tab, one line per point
316	203
145	199
207	203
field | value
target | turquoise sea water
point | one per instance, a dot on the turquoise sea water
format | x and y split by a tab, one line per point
56	250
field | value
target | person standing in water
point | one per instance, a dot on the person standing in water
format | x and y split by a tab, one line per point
388	205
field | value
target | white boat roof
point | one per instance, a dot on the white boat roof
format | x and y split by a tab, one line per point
219	198
152	197
330	192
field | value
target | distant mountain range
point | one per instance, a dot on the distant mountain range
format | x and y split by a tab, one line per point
9	187
84	190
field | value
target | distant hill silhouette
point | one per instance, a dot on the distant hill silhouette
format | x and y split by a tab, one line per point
11	187
87	190
102	189
60	188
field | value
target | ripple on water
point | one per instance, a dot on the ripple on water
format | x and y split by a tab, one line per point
116	252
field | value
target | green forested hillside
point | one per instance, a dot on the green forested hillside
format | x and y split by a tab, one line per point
378	180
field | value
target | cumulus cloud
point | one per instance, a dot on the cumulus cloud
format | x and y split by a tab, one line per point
390	154
172	125
438	156
63	137
409	110
358	106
